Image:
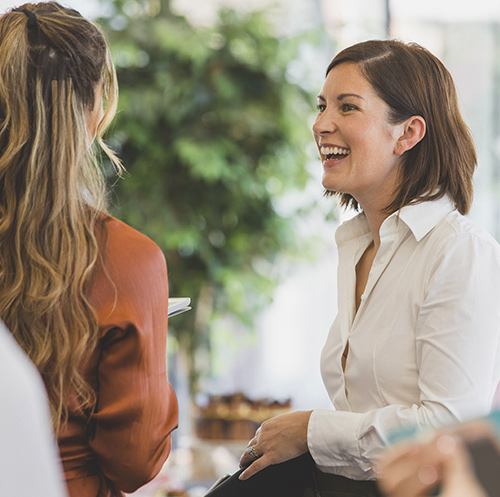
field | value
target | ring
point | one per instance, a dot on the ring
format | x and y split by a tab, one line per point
251	450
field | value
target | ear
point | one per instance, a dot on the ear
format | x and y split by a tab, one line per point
413	131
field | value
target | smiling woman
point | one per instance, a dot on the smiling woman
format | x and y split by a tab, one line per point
353	127
417	336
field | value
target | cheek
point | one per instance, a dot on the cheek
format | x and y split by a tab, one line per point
315	129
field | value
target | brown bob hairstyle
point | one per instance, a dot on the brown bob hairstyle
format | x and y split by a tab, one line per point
412	81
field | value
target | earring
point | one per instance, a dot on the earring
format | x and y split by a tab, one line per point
399	147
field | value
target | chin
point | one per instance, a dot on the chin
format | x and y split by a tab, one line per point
327	185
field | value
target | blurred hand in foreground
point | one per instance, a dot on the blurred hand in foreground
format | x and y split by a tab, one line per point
438	466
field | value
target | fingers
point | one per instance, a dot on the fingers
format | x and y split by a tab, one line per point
253	460
418	468
277	440
251	454
255	467
415	469
406	472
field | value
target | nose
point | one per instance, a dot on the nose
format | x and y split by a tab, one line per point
324	124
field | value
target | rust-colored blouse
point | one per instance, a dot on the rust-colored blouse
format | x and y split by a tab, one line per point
125	442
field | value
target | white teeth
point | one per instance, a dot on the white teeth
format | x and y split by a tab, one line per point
335	151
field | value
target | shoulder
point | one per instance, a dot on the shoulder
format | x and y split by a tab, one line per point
131	281
125	246
460	243
128	238
133	271
456	228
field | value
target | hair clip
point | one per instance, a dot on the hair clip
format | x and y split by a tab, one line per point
31	17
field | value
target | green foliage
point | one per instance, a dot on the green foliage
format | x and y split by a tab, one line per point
212	134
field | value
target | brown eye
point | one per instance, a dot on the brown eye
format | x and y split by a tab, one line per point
348	107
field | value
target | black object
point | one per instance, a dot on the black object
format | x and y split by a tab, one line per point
486	460
31	17
287	479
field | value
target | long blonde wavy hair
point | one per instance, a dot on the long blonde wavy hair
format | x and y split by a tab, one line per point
52	190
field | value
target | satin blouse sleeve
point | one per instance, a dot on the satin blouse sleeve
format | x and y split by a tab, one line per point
137	408
457	335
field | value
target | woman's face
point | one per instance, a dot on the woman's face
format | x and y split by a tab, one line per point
356	142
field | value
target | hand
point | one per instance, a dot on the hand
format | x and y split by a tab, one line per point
417	469
277	440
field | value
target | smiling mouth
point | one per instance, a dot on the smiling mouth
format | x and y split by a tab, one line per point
335	153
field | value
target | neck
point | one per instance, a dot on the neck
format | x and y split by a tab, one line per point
375	218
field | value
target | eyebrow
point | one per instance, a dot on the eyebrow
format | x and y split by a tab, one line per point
345	95
342	96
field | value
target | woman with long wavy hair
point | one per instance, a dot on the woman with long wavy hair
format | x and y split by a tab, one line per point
83	294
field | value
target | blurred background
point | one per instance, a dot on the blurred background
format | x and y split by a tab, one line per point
217	99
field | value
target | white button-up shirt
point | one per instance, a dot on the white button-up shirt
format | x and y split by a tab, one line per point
424	343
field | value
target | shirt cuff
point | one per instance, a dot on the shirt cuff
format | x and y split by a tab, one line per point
332	439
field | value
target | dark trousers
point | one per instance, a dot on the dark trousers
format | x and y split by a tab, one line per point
295	478
327	485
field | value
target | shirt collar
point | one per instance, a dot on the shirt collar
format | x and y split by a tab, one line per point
423	217
420	218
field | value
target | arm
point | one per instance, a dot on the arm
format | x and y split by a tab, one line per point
137	409
456	340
